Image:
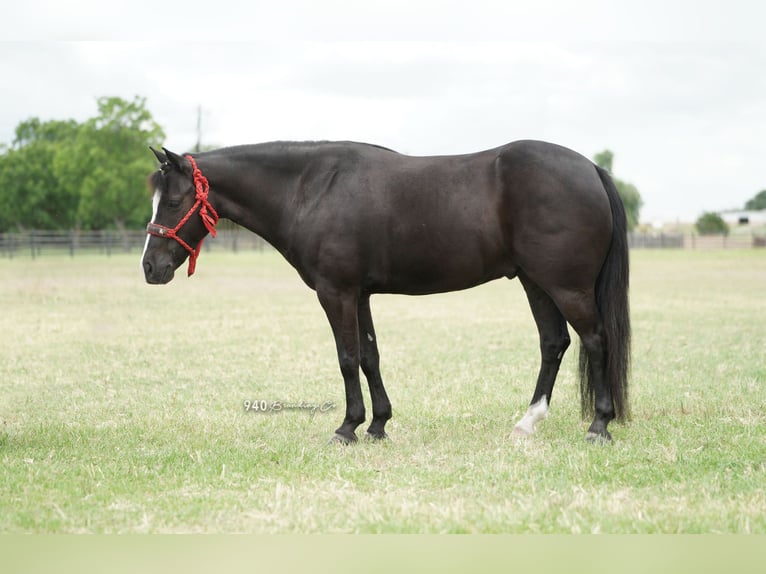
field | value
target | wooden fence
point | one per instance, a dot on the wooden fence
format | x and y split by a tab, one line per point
638	240
38	243
234	238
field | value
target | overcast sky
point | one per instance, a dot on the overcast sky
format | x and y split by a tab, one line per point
677	90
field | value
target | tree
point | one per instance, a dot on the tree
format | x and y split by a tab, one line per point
33	195
604	160
710	223
629	194
757	202
110	163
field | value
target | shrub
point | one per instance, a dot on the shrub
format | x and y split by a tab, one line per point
711	224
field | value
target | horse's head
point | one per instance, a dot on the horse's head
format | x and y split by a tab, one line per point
182	217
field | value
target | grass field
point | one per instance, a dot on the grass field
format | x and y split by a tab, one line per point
121	406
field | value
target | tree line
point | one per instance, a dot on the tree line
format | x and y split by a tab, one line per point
61	174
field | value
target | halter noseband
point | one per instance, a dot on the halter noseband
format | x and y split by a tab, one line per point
206	212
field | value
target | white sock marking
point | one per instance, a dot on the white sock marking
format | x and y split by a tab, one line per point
535	414
155	207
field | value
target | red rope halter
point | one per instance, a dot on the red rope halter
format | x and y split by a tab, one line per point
206	212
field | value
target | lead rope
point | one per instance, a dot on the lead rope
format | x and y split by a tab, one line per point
207	212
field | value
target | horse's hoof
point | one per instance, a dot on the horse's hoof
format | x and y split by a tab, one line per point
338	438
596	438
374	436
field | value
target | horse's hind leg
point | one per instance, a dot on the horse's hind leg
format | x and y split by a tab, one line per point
554	340
603	405
370	360
582	313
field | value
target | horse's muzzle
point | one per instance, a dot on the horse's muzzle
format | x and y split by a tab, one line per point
158	274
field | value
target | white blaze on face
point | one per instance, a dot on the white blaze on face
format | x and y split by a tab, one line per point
155	207
535	414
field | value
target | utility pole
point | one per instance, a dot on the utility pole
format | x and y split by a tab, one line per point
198	146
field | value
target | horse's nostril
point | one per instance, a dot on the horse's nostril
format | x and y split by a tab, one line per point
147	267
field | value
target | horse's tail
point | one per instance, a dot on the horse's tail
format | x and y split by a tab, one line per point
612	303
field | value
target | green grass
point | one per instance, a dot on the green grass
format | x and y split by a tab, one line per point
121	406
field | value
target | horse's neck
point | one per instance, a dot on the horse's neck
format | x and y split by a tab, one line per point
256	195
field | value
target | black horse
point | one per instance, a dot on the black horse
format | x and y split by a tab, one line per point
357	219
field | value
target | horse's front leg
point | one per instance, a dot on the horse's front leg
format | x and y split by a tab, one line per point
370	360
341	309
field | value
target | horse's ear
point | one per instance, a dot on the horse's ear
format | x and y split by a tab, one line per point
161	157
179	162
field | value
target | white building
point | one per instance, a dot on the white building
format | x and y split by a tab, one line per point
744	217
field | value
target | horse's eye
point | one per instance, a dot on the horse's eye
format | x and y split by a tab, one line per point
174	203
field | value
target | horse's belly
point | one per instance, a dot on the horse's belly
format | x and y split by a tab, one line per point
423	267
